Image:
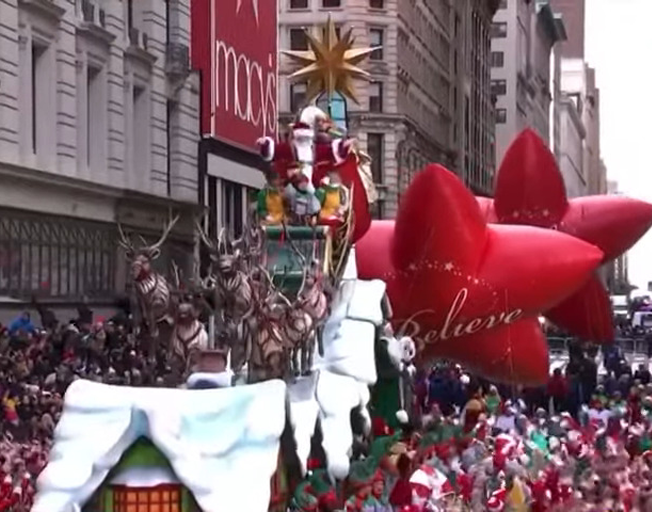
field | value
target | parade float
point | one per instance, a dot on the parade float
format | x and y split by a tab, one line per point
310	308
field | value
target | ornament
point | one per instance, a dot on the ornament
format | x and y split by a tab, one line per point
468	291
530	191
331	64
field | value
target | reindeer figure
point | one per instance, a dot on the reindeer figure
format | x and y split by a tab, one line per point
189	337
151	288
233	298
299	328
269	349
313	295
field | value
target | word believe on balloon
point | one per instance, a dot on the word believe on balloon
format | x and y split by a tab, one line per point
451	327
245	89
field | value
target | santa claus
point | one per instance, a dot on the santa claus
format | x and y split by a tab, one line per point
311	152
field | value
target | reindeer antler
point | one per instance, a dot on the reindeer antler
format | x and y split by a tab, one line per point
124	241
166	232
210	245
176	273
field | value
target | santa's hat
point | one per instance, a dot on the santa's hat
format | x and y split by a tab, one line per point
496	501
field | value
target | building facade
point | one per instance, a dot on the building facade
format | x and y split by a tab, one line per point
98	125
578	84
235	50
524	36
572	148
617	271
475	139
422	79
573	13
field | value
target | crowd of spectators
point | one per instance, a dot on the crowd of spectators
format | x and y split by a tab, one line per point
40	358
36	366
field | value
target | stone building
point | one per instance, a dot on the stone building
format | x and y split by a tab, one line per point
426	101
578	83
524	82
98	125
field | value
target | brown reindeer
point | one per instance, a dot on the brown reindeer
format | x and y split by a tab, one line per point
151	288
189	337
313	296
270	344
232	296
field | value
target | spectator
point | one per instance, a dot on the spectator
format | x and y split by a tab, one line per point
22	324
558	390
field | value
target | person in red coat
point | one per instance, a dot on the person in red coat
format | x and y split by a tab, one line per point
314	154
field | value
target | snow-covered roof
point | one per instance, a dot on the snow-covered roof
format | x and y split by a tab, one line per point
221	443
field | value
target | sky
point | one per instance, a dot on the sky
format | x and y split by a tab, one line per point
618	41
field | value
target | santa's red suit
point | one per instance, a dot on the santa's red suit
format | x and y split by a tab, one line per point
327	156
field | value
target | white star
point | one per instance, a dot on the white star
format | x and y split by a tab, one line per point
254	5
448	267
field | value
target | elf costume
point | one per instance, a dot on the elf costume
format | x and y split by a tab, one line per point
271	203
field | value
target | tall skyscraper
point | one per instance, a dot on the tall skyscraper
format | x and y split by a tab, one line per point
573	12
524	36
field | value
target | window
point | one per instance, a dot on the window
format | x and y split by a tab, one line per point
40	82
501	116
375	97
376	4
141	127
499	29
172	112
497	59
298	39
499	87
232	207
132	499
297	97
55	258
338	31
94	118
376	36
298	4
330	4
375	149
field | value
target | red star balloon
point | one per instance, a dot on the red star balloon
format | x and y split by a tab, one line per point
468	291
530	190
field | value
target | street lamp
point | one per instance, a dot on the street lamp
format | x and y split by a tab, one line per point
336	106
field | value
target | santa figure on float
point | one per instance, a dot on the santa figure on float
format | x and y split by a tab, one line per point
309	149
307	161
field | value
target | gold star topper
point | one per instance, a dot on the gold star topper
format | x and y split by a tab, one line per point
331	64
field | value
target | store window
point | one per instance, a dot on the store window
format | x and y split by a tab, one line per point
162	498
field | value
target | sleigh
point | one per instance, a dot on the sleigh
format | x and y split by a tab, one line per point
287	248
283	248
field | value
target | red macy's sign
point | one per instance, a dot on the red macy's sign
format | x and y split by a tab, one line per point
235	45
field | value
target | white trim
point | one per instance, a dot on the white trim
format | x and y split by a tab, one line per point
303	132
145	477
270	144
233	171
